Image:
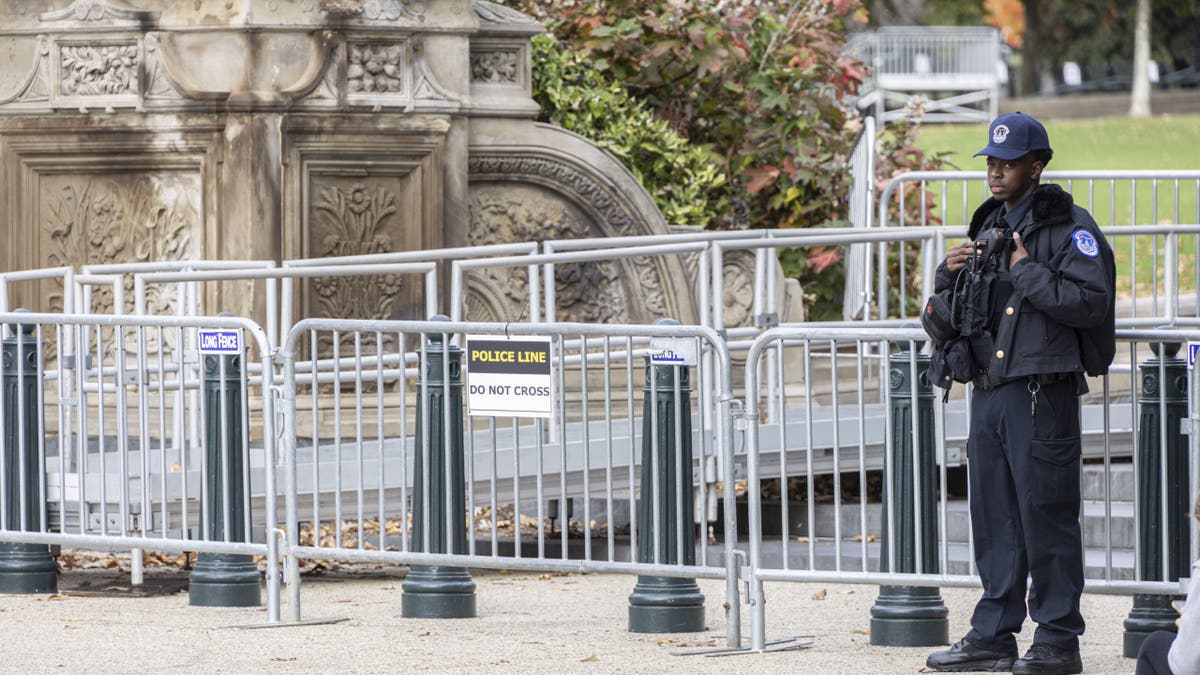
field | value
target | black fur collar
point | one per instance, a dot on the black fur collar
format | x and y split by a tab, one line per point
1051	205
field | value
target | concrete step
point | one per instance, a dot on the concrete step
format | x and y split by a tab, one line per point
1119	518
1121	482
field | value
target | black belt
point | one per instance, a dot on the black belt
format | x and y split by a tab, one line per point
985	381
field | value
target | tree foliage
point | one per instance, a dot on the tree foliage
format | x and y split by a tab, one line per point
760	84
680	176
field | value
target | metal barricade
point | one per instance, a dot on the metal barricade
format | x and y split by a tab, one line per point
109	458
958	68
557	496
1152	220
828	427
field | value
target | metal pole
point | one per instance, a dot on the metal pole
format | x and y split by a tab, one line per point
667	604
225	579
439	496
910	616
24	568
1162	476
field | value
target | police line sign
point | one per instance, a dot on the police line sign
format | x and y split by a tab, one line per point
227	341
509	378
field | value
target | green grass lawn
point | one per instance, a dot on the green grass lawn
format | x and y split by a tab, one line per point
1167	142
1163	143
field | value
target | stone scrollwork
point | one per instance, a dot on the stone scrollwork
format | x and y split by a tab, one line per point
589	292
101	70
97	10
647	300
493	13
495	67
36	85
376	68
350	220
372	10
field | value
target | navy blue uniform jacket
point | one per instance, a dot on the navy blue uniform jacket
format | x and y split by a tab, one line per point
1063	293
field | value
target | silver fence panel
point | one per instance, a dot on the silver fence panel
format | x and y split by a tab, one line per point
856	301
118	467
929	61
349	448
1150	218
829	426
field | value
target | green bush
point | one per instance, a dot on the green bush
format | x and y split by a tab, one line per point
680	177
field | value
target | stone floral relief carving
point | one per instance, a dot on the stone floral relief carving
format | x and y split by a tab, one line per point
376	68
738	296
495	67
99	70
126	218
352	220
584	292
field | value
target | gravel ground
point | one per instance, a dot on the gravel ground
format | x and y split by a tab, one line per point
528	623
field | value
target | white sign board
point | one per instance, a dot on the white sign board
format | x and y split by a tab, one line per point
1193	350
509	377
223	341
673	351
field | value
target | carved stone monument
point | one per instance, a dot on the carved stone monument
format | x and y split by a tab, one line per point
146	130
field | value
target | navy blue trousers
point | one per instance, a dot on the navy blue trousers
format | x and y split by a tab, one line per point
1023	471
1152	657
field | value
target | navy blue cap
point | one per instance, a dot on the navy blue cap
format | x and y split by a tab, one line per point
1014	135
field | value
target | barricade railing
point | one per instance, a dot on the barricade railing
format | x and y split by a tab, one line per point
98	452
1149	217
280	281
911	444
453	472
66	290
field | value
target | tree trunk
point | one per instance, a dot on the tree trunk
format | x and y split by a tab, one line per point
1139	102
1032	50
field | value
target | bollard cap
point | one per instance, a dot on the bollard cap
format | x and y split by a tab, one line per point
437	337
918	345
1171	349
21	328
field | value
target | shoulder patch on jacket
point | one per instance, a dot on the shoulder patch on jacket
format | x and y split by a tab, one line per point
1085	242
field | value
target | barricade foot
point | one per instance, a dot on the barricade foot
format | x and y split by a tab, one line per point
666	605
224	580
438	593
27	568
909	616
783	645
1149	613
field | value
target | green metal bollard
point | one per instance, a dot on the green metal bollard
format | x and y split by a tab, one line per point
1154	612
910	616
666	604
224	579
24	568
439	591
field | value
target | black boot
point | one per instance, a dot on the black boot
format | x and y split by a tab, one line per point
966	657
1045	659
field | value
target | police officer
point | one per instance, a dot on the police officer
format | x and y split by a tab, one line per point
1050	320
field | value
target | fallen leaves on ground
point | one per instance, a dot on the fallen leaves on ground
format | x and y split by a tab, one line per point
820	595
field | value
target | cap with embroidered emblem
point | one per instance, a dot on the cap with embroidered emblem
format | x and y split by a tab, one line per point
1014	135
